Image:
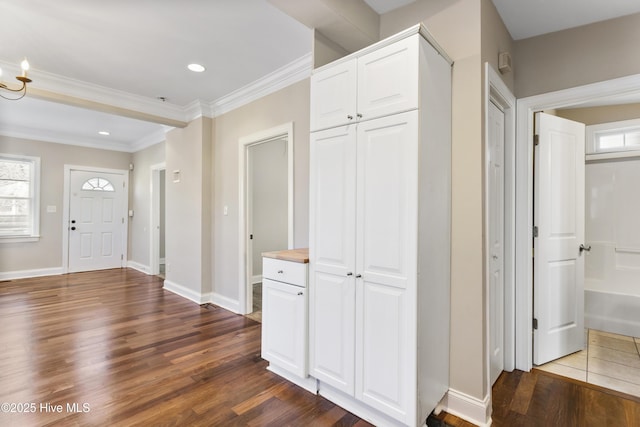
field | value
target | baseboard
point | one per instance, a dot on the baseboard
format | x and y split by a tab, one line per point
256	279
185	292
226	302
25	274
609	312
468	408
140	267
357	407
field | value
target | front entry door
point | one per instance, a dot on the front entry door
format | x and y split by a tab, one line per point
97	220
559	225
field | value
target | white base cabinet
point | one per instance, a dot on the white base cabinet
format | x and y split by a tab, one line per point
380	196
285	320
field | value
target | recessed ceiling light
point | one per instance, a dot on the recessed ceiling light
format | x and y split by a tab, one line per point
196	68
104	132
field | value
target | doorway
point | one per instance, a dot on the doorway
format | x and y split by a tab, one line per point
95	219
157	232
500	106
603	92
266	206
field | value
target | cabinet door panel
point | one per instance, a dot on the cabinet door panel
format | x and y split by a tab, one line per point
388	80
333	96
332	200
387	199
332	339
383	376
284	325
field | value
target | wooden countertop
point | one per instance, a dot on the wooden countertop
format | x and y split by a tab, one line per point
295	255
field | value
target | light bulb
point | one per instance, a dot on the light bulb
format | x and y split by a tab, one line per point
25	67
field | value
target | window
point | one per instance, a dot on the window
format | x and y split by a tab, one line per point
616	137
19	198
98	184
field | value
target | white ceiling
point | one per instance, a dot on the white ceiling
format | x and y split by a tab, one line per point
128	53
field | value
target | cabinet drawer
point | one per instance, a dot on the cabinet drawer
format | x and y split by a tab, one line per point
294	273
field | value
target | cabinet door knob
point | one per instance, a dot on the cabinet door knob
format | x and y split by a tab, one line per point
349	274
358	276
350	117
280	271
359	115
300	293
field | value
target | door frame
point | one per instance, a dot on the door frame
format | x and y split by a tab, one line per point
66	200
154	219
526	107
245	298
496	91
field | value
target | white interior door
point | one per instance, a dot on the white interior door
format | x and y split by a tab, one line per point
97	223
558	258
496	240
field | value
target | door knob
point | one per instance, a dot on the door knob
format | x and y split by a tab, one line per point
585	248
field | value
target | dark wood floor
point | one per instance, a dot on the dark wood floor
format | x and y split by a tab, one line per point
118	349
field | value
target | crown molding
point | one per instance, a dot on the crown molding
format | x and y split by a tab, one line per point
54	83
291	73
66	88
63	138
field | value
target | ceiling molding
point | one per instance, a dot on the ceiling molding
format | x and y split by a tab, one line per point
50	83
64	138
291	73
149	140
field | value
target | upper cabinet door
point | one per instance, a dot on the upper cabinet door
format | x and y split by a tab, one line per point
388	80
333	96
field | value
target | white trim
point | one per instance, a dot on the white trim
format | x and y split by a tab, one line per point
631	154
25	274
138	266
357	407
257	278
154	220
468	408
291	73
245	142
225	302
524	193
308	383
185	292
498	92
66	200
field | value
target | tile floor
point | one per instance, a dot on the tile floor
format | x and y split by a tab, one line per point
610	360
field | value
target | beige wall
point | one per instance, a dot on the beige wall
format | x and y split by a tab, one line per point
188	207
496	39
290	104
47	252
578	56
456	27
140	193
604	114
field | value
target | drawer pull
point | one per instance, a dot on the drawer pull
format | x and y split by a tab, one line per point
280	271
300	293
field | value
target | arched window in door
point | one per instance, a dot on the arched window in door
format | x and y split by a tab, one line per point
98	184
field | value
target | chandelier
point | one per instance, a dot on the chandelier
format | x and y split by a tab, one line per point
21	91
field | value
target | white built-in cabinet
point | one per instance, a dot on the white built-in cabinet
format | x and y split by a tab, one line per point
285	319
380	165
